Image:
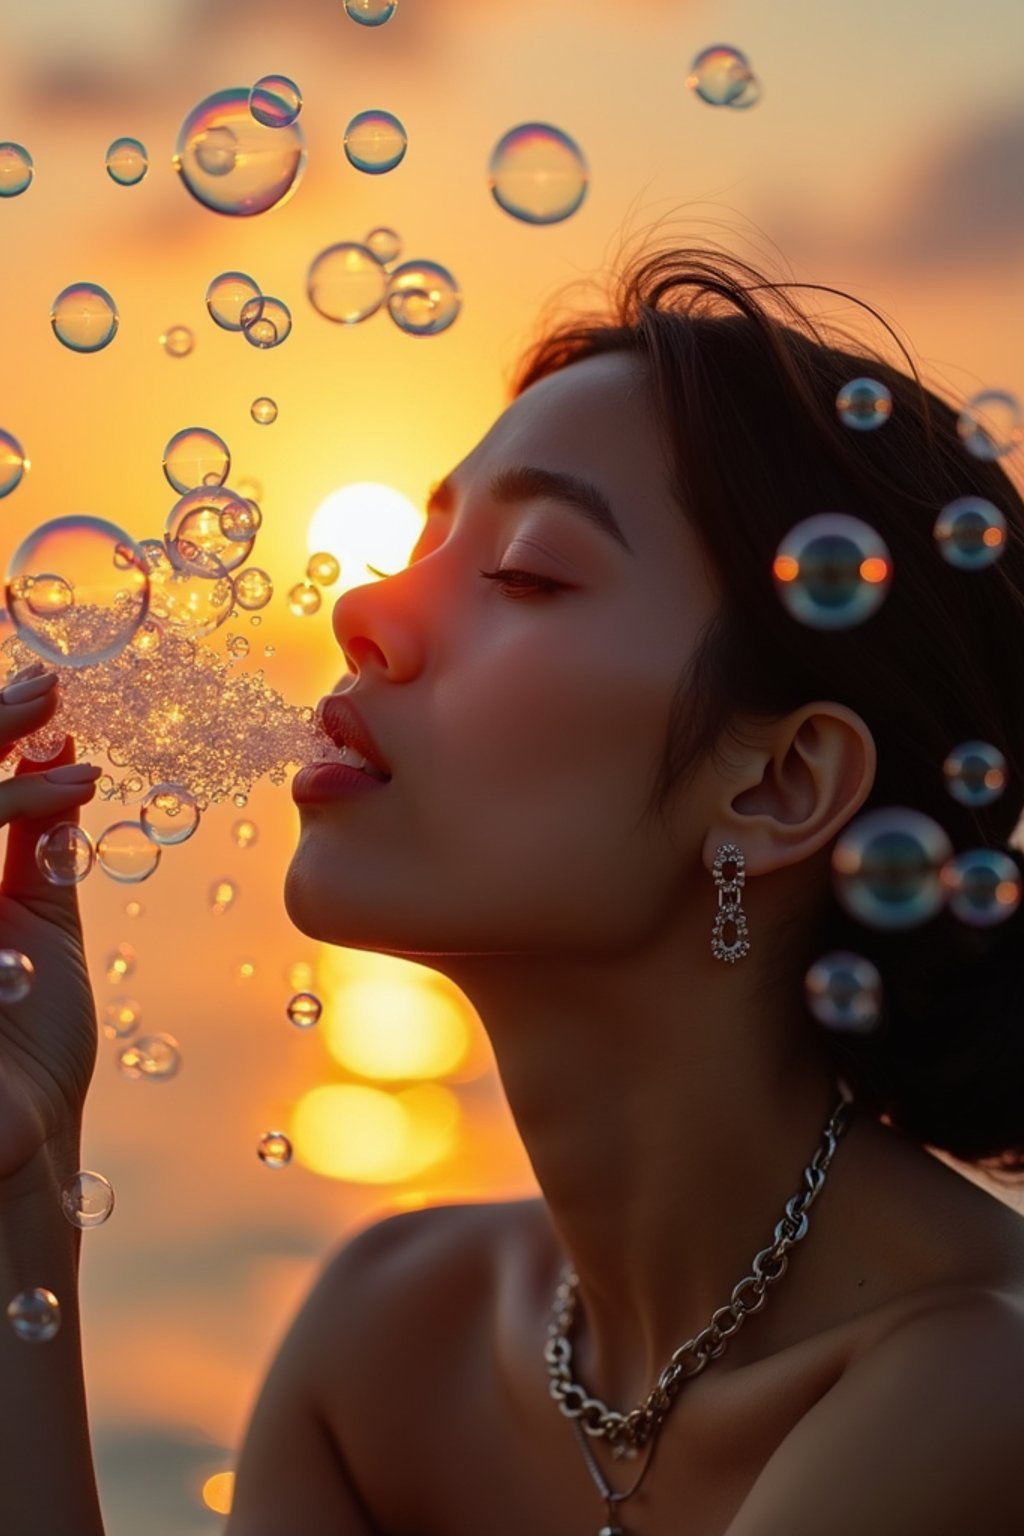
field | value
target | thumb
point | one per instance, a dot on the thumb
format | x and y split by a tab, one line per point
34	805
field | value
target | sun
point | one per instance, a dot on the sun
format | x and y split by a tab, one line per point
365	525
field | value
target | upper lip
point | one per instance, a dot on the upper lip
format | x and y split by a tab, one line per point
345	726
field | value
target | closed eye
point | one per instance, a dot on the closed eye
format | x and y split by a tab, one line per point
521	582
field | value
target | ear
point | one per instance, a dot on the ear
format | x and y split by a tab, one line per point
793	786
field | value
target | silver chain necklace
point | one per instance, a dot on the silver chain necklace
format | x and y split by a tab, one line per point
628	1432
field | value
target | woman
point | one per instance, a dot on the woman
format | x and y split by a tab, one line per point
616	734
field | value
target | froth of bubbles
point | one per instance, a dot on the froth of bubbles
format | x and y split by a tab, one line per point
991	424
275	101
970	533
274	1149
538	174
371	13
16	169
304	1010
323	568
886	868
233	164
375	142
263	410
16	976
127	162
169	814
84	317
225	296
384	243
832	571
265	321
177	341
34	1315
864	404
65	854
304	599
12	463
844	992
196	456
720	75
244	832
121	963
121	1019
150	1056
983	886
975	773
253	588
346	283
423	298
196	537
77	589
86	1198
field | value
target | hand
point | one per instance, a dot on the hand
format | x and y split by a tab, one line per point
48	1040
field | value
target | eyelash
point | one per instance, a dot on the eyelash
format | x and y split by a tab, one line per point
528	582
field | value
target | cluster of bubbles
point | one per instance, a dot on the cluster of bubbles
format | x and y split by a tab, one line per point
351	280
722	76
16	169
237	303
127	162
13	463
538	174
84	317
375	142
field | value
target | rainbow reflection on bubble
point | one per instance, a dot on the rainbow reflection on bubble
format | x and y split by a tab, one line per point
538	174
12	463
16	170
371	13
721	75
375	142
127	162
346	283
423	298
233	164
275	101
84	317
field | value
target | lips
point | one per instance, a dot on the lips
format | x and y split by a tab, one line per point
346	728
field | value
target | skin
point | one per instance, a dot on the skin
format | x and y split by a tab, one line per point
511	853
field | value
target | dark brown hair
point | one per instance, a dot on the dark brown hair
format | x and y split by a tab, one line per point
743	384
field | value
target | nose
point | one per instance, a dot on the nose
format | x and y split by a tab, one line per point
373	634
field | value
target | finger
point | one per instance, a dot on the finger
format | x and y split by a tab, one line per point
33	802
26	704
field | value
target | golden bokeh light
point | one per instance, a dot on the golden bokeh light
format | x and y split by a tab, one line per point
395	1028
365	524
218	1492
368	1136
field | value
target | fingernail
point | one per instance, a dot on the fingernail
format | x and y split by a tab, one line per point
73	773
32	670
28	690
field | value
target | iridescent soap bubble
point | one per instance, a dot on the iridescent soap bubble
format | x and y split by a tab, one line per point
371	13
346	283
975	773
16	171
538	174
970	533
65	854
196	456
126	853
121	1019
304	599
150	1056
274	1149
832	571
241	521
384	243
323	568
121	963
77	589
423	298
127	162
34	1315
226	295
275	101
84	317
12	463
864	404
222	895
177	341
844	992
244	833
720	75
169	814
231	163
991	424
266	321
304	1010
375	142
195	536
189	601
86	1198
886	868
263	410
983	886
16	975
253	588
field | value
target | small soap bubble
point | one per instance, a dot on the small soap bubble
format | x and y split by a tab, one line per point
300	976
371	13
86	1198
34	1315
970	533
169	814
241	521
240	800
304	1010
864	404
270	650
245	970
16	170
832	571
43	744
153	1056
65	854
244	832
991	424
16	975
177	341
423	298
196	456
126	853
127	162
275	101
263	410
196	537
121	1019
266	321
375	142
886	868
983	886
844	992
226	296
223	895
77	589
304	599
274	1149
323	568
346	283
84	317
12	463
121	963
384	243
720	75
238	646
233	164
538	174
975	773
255	621
133	909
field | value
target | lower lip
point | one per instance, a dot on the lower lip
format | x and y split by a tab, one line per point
332	781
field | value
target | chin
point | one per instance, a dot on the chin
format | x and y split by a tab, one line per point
307	905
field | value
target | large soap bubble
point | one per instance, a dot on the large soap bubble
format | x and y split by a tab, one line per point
832	571
77	589
275	101
346	283
84	317
538	174
375	142
196	456
204	520
887	868
233	164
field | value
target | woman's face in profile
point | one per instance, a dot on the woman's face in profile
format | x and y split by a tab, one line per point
522	725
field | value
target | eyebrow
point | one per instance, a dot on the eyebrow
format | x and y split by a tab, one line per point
527	483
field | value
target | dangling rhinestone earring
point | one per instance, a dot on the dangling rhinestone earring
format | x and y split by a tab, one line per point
729	877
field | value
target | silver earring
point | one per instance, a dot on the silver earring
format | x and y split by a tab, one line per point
729	877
